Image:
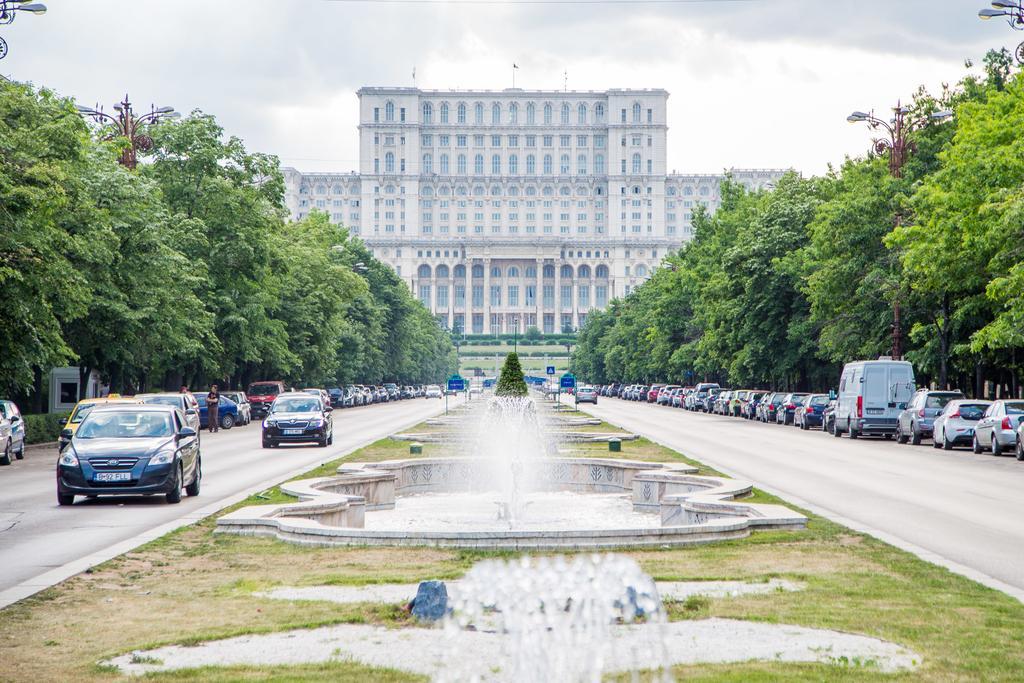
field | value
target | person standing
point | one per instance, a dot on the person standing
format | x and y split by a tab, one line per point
213	409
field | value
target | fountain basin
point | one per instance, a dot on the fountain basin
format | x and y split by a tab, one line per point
653	505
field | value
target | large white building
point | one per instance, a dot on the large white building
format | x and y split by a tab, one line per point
515	207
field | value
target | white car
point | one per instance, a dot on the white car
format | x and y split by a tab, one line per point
433	391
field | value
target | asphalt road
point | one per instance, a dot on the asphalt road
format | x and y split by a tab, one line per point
37	536
958	509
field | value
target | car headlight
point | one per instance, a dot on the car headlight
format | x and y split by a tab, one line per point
269	422
162	458
68	458
316	423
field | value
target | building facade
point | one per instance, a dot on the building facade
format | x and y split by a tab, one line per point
508	209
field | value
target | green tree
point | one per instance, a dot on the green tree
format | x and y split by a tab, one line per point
511	381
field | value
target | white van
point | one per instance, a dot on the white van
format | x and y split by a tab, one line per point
872	393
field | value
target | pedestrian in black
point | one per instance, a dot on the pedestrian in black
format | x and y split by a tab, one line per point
212	409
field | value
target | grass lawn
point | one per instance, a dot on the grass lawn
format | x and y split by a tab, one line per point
193	585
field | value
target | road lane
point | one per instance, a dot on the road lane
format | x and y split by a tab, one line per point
965	509
36	535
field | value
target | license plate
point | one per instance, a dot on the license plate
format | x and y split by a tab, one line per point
875	411
113	476
291	432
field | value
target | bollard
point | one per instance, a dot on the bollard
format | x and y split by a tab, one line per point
415	448
615	445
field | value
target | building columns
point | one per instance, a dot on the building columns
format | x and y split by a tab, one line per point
487	296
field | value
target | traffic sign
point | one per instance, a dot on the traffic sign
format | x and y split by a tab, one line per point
456	383
568	381
551	369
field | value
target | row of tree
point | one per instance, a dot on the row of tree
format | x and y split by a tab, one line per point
185	270
780	287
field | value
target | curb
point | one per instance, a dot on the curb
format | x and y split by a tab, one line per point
54	576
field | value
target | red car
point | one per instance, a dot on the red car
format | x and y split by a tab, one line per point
652	393
262	395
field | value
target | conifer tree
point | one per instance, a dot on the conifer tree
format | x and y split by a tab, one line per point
511	382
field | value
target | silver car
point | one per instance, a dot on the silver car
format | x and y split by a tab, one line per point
185	402
915	422
242	401
586	395
955	424
12	433
997	429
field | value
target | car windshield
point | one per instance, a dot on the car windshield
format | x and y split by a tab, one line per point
819	400
126	425
172	401
972	412
81	411
263	389
1015	408
939	400
296	405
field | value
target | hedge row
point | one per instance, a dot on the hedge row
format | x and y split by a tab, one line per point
551	341
44	428
529	354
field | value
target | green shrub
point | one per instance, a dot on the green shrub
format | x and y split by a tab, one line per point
44	428
511	382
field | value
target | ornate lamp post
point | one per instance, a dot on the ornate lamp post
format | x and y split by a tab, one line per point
897	144
127	125
1013	11
9	10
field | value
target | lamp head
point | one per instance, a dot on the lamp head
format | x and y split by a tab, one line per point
941	115
987	14
857	117
34	8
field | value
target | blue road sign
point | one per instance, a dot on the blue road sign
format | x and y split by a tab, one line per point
567	382
456	383
551	369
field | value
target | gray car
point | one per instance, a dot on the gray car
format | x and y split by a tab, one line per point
12	433
997	429
915	422
185	402
955	424
586	395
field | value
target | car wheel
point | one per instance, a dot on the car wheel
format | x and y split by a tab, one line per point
900	436
975	446
266	443
5	459
65	498
174	494
193	489
853	433
915	436
20	453
1020	449
996	448
947	445
322	443
227	422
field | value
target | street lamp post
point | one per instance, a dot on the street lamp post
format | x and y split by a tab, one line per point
9	10
898	145
515	334
1013	12
127	125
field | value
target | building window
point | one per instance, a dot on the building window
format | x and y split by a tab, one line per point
442	297
581	164
376	165
547	164
531	164
598	164
401	115
444	112
461	164
496	114
547	114
444	164
478	296
623	116
428	163
513	113
549	296
389	111
513	164
581	113
565	114
496	164
478	113
428	112
636	112
599	113
650	116
495	295
566	294
650	166
425	295
531	114
530	296
460	296
389	162
636	163
563	166
478	164
461	115
513	295
584	301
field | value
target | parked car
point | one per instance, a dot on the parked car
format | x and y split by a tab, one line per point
751	405
262	394
394	394
12	433
872	393
82	409
997	428
828	417
709	399
433	391
1020	441
298	417
954	426
810	410
130	449
787	409
915	421
700	395
736	402
227	412
185	402
242	401
586	395
337	395
721	405
770	406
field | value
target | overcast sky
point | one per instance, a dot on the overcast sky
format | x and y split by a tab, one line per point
752	83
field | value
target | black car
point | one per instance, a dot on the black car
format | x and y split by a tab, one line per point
298	417
130	449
